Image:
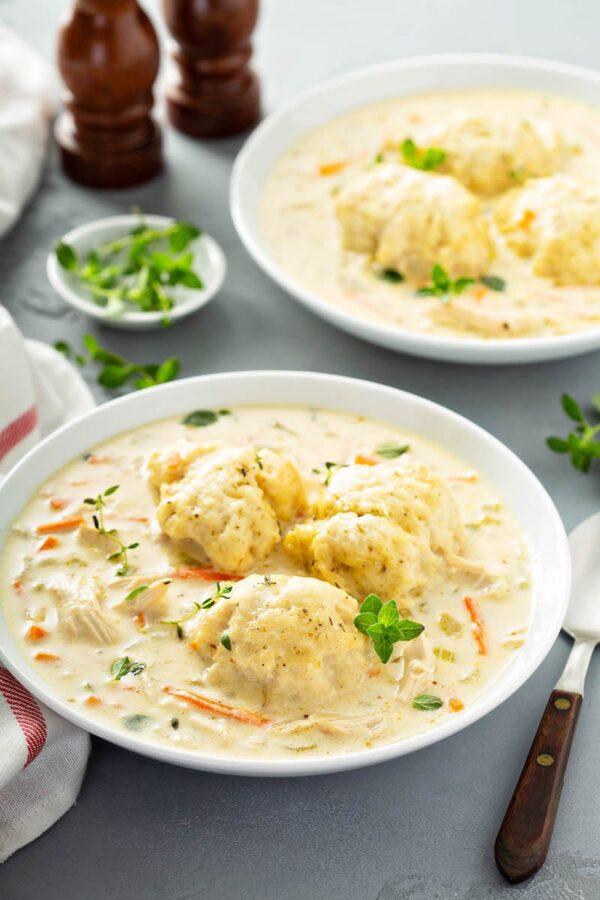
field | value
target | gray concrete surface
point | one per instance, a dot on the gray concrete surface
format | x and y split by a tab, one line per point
421	827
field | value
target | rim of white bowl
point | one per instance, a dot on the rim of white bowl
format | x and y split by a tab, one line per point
60	284
492	351
156	404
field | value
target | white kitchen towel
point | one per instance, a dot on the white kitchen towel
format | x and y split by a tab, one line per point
42	757
28	95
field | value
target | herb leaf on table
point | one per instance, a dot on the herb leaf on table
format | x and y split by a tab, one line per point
580	443
116	371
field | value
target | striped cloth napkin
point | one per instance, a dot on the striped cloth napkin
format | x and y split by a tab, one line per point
42	757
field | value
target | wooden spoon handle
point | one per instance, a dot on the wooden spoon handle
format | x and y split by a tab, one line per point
525	834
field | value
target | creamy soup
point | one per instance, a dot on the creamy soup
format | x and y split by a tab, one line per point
128	620
493	143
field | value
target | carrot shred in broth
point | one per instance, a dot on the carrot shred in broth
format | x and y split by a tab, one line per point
46	657
60	525
50	543
479	630
218	708
361	460
92	700
58	503
455	704
332	168
36	633
202	573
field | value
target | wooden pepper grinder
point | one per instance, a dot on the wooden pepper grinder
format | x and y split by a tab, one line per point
108	56
218	94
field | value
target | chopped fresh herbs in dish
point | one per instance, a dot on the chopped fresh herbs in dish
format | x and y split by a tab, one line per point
442	285
203	417
139	271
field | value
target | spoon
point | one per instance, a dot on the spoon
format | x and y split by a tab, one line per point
524	837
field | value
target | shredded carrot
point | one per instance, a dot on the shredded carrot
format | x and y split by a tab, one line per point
140	620
58	503
60	525
35	633
332	168
138	518
218	708
92	700
46	657
527	218
204	573
479	292
94	459
361	460
49	544
455	704
373	673
18	585
479	632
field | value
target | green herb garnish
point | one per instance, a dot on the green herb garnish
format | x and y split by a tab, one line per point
200	418
391	275
392	451
137	270
493	282
427	702
382	623
330	468
426	159
136	592
581	443
258	460
226	641
136	722
442	285
175	723
125	666
206	604
120	555
116	371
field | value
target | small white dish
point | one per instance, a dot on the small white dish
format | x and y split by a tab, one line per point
521	490
209	263
403	77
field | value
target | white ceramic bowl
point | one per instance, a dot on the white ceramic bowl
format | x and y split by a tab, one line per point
521	490
209	263
414	75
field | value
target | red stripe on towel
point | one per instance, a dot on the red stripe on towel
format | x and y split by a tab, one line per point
16	430
26	712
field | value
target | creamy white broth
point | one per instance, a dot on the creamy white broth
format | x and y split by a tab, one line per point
299	223
81	672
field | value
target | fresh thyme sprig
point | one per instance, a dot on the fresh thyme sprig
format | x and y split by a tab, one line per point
221	591
581	443
382	623
442	285
120	554
116	371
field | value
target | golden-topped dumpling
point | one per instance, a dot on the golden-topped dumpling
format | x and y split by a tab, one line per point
556	222
380	528
408	221
227	504
490	153
292	640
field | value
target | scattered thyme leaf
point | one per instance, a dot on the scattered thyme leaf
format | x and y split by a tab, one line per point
426	159
493	282
442	285
226	641
391	275
427	702
391	451
124	666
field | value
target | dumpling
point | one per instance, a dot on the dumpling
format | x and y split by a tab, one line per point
556	222
292	638
381	529
228	505
409	221
491	153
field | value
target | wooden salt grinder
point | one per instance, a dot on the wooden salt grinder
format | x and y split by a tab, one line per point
217	94
108	56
